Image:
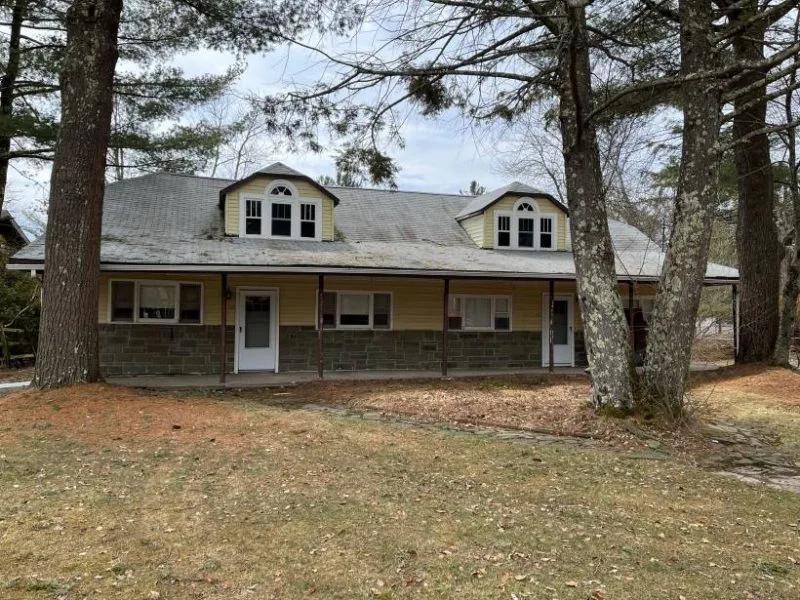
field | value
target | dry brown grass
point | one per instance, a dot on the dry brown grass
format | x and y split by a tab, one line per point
100	497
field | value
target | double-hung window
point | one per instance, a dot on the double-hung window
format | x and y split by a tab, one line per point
479	313
357	310
281	214
155	302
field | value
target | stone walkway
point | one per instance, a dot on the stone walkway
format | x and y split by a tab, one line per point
750	459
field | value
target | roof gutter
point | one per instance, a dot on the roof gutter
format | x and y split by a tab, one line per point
19	265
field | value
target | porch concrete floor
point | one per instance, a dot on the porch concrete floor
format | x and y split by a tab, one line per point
268	379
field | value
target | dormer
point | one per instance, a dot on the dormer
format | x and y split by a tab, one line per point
516	217
278	203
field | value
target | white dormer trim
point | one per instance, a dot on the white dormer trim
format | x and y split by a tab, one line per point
282	183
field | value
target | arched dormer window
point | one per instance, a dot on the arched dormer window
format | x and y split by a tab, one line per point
282	214
524	227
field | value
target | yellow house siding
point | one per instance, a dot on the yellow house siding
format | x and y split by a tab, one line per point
474	228
258	187
507	203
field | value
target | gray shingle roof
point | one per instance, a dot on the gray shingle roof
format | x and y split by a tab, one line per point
8	222
278	169
480	203
171	221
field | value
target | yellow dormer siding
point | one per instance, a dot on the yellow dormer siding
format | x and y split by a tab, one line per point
258	186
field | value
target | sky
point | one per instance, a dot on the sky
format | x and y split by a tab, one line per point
440	155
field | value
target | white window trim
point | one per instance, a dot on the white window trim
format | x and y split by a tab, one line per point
514	216
494	298
371	295
267	200
139	282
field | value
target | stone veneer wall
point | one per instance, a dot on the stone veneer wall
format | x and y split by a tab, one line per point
187	349
355	350
161	349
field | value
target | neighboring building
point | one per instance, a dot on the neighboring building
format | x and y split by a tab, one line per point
12	237
200	272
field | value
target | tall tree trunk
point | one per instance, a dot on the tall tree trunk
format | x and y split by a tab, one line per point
672	326
608	345
68	352
8	84
791	281
757	241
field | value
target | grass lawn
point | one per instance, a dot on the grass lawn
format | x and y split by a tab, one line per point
110	493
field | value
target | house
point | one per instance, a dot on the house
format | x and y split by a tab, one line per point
11	235
276	272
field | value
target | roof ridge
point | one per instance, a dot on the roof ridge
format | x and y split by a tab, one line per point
366	189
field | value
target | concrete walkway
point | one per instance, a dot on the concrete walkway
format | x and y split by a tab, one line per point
256	380
13	385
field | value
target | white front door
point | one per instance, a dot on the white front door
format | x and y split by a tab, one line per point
563	333
256	330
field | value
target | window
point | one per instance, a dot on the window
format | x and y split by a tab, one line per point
281	219
191	303
525	228
354	310
479	313
308	220
454	312
503	231
123	302
253	217
329	309
281	213
545	233
155	302
526	231
502	314
280	190
357	310
381	311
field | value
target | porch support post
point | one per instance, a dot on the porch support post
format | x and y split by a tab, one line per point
550	335
735	323
445	305
630	309
320	327
223	330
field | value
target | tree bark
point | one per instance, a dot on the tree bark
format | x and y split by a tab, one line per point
757	241
672	326
606	334
68	352
8	84
791	280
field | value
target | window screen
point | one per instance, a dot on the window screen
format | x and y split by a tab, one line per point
122	301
